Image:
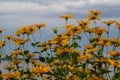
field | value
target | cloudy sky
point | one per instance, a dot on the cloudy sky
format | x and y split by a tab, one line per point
15	13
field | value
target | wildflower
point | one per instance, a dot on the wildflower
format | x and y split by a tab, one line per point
55	30
30	55
25	76
51	42
71	67
113	40
83	23
80	57
93	17
40	25
8	37
1	30
47	77
99	31
96	13
14	75
59	51
89	30
87	56
113	63
34	62
117	24
31	29
16	62
61	39
114	53
19	41
9	67
56	62
108	23
96	78
2	43
80	69
68	27
21	30
72	77
38	70
77	30
15	53
108	43
66	17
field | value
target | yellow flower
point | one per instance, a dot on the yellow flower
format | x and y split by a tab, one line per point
8	37
25	76
47	77
87	56
80	69
19	41
38	70
93	17
16	62
14	75
56	62
68	27
9	67
55	30
96	13
15	53
71	67
21	30
108	43
34	62
108	23
117	24
40	25
1	30
59	51
80	57
2	43
114	63
66	17
114	53
30	55
99	31
95	78
83	23
31	29
61	39
72	77
89	30
77	30
51	42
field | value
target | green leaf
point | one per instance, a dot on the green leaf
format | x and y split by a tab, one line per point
0	72
42	59
33	44
26	51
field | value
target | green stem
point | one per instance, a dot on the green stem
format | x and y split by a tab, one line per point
40	33
1	36
118	34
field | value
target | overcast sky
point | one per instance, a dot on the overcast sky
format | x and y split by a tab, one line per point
15	13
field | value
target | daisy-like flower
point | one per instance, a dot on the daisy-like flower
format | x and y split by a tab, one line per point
108	23
67	16
1	30
19	41
117	24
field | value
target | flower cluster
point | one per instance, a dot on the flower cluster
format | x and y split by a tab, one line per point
85	51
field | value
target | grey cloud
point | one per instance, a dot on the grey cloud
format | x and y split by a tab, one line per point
20	12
